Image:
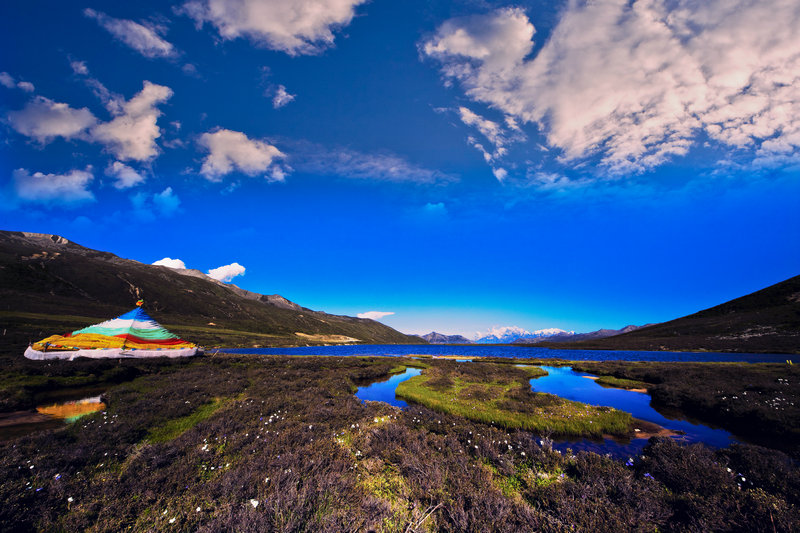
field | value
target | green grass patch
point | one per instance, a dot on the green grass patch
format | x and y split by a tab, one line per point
175	427
506	400
621	383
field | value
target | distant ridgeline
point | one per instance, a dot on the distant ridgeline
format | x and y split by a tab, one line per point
766	321
51	285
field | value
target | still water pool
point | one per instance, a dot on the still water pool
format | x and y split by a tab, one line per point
566	383
383	391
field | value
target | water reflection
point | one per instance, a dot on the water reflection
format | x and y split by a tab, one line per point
566	383
49	416
383	391
71	411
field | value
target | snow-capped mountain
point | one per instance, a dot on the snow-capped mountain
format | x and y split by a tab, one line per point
508	334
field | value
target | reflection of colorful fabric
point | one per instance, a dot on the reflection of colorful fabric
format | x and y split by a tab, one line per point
134	330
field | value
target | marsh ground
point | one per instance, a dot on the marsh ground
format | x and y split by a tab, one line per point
255	443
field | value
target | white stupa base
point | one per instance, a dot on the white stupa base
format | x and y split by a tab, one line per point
110	353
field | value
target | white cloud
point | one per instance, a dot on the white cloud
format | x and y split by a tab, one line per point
490	129
227	272
147	206
44	120
7	81
224	273
113	102
79	67
316	159
69	188
132	134
640	82
171	263
281	97
437	209
145	39
500	136
296	27
375	315
126	177
167	202
500	173
233	150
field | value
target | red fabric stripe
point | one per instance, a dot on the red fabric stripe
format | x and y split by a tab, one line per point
165	342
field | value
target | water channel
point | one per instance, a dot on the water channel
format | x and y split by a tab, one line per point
577	386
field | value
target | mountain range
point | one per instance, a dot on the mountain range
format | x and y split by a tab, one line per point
767	320
509	334
569	336
440	338
51	285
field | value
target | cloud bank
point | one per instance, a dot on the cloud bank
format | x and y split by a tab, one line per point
638	83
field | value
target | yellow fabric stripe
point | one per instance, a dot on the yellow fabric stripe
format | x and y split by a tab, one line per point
89	341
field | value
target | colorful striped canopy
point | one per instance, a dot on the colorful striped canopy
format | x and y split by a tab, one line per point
135	330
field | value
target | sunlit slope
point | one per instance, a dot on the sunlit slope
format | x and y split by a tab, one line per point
47	281
764	321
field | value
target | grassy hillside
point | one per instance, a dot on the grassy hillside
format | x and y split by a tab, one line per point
50	285
764	321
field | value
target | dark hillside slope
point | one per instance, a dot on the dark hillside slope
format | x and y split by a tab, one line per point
764	321
49	284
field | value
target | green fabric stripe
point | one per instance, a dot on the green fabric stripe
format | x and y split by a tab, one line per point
159	333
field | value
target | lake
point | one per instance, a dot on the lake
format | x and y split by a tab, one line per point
529	352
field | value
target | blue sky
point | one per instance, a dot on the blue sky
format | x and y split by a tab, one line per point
460	165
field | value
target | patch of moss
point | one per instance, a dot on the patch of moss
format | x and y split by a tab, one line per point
175	427
508	402
621	383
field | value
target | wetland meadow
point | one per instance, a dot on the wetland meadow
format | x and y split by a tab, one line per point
293	443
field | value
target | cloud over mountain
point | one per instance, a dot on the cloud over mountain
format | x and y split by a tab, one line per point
375	315
226	273
171	263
